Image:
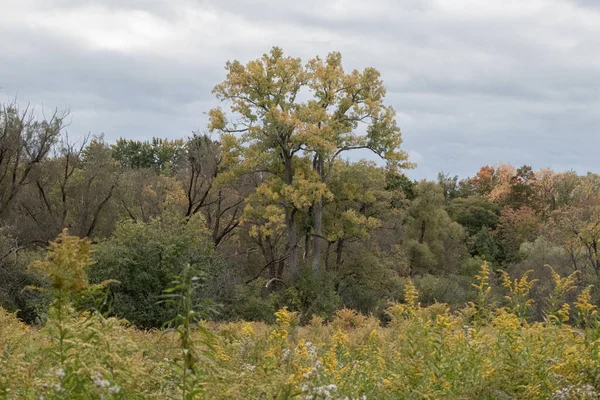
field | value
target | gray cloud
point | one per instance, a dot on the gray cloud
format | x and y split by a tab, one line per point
586	3
474	82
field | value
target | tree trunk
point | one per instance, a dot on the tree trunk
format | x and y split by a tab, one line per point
318	218
339	250
290	220
217	225
280	269
306	246
318	239
327	256
422	235
308	240
292	231
272	270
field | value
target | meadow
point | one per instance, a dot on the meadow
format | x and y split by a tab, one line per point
475	352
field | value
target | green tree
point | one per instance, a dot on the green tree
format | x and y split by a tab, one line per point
399	182
360	206
145	258
474	213
515	227
434	240
159	154
485	246
449	184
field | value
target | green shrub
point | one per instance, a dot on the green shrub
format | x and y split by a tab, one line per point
145	258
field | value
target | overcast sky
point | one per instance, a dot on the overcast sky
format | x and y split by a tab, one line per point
474	82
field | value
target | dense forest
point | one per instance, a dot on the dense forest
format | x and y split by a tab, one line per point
265	207
312	274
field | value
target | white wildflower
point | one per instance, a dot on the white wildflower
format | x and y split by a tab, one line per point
575	392
322	392
467	330
285	354
249	367
114	389
99	381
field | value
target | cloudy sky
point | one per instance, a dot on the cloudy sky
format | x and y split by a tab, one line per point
474	81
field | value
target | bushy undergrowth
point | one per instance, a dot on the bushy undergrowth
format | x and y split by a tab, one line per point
477	352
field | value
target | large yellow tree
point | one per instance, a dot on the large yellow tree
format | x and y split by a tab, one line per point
291	121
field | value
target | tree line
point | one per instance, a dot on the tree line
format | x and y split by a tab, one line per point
266	209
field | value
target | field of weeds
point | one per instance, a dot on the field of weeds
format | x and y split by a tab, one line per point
420	353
